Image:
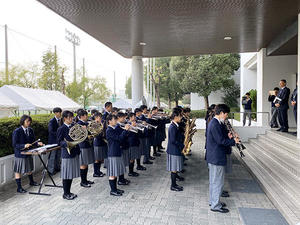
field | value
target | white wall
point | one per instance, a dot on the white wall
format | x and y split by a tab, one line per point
197	102
270	70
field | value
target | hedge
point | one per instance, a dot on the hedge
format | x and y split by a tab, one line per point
8	125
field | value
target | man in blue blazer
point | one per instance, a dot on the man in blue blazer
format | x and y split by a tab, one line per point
217	145
54	158
283	106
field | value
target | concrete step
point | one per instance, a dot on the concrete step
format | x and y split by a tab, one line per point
287	203
279	154
287	180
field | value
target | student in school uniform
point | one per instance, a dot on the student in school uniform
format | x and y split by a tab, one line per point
86	151
93	112
100	148
115	162
174	149
54	158
124	145
107	111
22	139
70	167
135	151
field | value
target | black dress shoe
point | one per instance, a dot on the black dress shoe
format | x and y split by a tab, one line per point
115	193
285	131
279	129
182	171
123	182
225	192
141	168
148	162
74	195
176	188
223	204
34	184
21	190
99	174
225	195
68	197
156	154
180	178
90	182
120	191
133	174
151	158
86	185
221	210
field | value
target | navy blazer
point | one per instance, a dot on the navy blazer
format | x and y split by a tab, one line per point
114	139
104	116
175	146
62	135
294	97
99	140
86	143
217	143
124	142
52	130
284	95
133	139
19	139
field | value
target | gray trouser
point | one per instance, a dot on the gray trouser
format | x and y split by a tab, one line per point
274	114
216	183
54	161
247	114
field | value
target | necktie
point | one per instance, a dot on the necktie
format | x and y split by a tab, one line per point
26	132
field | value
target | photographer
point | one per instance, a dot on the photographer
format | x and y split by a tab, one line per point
247	102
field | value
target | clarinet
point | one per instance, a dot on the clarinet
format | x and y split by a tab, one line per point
240	146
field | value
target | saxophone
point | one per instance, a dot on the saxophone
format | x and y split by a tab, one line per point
78	134
190	130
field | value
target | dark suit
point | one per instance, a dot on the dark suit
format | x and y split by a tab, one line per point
55	156
217	146
294	99
284	95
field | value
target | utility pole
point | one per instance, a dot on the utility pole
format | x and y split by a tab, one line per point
154	90
75	40
6	55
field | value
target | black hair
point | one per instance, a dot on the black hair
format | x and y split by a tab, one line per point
57	110
66	114
248	93
23	118
81	112
142	107
131	115
94	111
115	109
107	104
160	110
97	114
154	108
121	114
179	109
137	110
186	110
175	113
283	80
111	117
276	88
222	108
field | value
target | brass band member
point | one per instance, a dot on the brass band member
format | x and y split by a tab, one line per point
22	139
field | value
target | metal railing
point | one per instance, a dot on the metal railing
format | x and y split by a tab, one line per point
232	115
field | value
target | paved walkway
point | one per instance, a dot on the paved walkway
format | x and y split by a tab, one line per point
147	200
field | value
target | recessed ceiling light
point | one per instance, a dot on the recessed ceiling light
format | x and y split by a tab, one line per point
142	43
227	38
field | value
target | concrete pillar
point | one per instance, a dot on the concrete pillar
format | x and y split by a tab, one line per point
137	79
298	69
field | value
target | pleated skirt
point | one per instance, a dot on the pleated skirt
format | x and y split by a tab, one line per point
86	156
174	163
23	165
135	152
70	168
115	167
125	157
100	152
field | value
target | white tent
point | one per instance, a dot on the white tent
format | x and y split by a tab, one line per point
29	99
6	104
123	103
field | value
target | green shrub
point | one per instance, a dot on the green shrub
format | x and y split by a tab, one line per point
8	125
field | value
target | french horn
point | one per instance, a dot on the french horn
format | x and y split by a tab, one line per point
78	134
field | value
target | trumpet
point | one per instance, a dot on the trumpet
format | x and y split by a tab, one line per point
131	129
146	125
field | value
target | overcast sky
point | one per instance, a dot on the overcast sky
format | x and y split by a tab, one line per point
35	20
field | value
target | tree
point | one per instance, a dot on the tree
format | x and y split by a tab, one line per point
232	94
52	74
128	90
209	73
